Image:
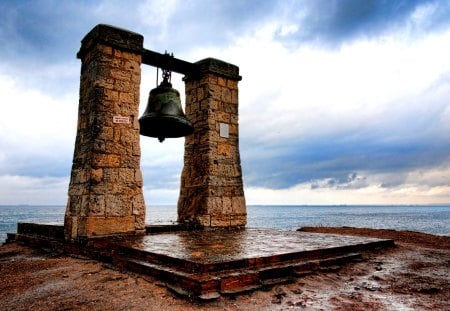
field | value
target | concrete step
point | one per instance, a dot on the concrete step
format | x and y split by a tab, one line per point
242	263
211	285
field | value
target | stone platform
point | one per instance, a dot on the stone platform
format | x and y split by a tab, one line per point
209	263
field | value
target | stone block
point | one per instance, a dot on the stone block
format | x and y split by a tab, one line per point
234	97
238	220
131	162
226	205
104	83
230	108
223	117
128	135
96	205
238	205
233	130
74	205
232	283
111	95
221	81
226	95
217	206
79	176
70	227
227	171
110	175
97	226
204	220
99	146
126	175
84	208
96	175
122	85
77	190
138	205
232	84
220	220
126	97
127	55
136	79
200	93
138	175
117	205
133	64
105	160
106	133
120	74
224	149
139	224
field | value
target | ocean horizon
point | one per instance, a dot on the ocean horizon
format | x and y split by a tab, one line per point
433	219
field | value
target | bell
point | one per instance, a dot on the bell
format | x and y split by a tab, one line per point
164	117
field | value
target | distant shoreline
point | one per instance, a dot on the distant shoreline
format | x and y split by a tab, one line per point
261	205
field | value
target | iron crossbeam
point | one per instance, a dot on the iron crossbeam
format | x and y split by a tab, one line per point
168	62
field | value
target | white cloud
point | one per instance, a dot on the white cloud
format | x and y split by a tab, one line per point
35	123
156	13
16	189
421	186
308	90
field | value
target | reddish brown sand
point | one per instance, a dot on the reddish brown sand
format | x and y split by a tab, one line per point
414	275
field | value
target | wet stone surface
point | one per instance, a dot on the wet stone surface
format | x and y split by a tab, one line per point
214	246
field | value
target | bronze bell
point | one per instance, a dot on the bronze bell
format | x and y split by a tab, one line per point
164	116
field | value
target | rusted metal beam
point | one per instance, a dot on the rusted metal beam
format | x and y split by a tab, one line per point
166	61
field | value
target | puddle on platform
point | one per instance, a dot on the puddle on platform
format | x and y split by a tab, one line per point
211	246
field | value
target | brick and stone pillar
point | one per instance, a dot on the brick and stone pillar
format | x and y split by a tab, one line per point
212	193
105	191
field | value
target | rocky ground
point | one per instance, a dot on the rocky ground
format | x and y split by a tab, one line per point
414	275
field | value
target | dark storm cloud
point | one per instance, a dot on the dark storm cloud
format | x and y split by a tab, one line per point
333	22
51	30
195	24
325	22
42	30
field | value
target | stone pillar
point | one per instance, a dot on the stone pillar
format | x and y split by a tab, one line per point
105	191
212	193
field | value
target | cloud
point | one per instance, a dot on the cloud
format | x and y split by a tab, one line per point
312	113
341	101
183	25
37	130
417	187
42	31
16	189
334	23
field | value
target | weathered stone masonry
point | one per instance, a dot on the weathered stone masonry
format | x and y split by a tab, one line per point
105	191
211	193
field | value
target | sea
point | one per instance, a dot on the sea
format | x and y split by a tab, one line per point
434	219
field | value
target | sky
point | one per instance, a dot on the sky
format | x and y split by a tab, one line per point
341	101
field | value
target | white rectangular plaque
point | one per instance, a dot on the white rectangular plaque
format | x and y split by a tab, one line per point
224	130
121	120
